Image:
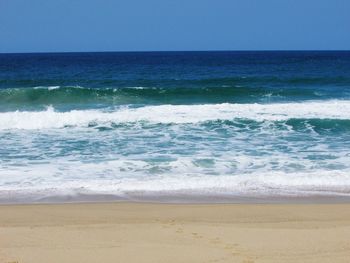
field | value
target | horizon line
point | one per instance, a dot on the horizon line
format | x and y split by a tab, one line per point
169	51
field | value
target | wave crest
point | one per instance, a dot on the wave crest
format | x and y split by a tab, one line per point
167	114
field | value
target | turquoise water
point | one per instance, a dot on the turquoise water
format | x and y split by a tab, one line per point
174	124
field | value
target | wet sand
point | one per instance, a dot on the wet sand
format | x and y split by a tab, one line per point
144	232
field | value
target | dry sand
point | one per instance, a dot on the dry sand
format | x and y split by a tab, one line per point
131	232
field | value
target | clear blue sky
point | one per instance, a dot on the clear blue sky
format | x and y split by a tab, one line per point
136	25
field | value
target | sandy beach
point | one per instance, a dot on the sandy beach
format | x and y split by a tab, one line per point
134	232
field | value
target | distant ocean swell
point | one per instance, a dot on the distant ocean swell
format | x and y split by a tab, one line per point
164	82
80	97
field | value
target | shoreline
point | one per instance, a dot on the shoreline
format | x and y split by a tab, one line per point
179	199
155	232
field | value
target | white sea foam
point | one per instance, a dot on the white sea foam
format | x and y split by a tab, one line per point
79	178
47	87
183	175
334	109
173	159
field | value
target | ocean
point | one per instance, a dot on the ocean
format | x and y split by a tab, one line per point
174	125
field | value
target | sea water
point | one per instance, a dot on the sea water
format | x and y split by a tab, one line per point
194	124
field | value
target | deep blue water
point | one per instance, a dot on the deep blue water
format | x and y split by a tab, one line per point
175	123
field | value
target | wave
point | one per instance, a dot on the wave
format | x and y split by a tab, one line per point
179	114
55	95
41	181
